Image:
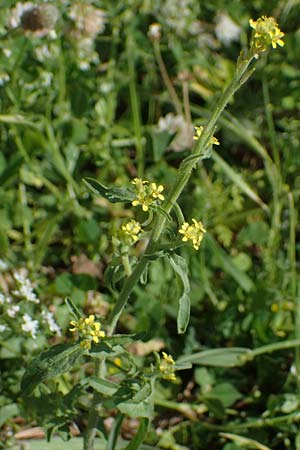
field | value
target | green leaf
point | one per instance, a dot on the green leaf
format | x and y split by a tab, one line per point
218	357
103	350
226	393
58	359
103	386
75	444
140	435
114	195
141	404
73	308
8	411
180	267
227	264
237	179
114	433
16	119
124	338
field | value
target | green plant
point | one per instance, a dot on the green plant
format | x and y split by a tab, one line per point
131	391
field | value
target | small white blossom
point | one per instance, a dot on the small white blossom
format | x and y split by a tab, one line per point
49	319
7	52
35	20
13	310
2	328
29	325
226	30
4	78
183	131
25	290
87	19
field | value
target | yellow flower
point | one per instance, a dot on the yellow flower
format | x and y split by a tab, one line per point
131	231
156	191
88	329
265	32
146	193
166	367
193	233
199	131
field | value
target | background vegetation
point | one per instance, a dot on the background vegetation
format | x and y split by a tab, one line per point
88	98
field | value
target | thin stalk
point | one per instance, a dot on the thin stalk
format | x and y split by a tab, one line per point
270	123
295	297
26	223
284	345
93	418
166	79
135	107
259	423
186	102
182	178
126	265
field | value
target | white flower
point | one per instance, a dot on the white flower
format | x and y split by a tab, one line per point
2	328
7	52
30	326
88	19
36	20
177	125
49	319
13	310
226	30
25	290
4	78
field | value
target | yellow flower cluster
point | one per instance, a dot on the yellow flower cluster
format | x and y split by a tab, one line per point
88	329
265	32
131	231
166	367
193	233
199	131
146	193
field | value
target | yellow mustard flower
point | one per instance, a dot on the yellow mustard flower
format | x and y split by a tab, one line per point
88	329
265	32
199	131
193	232
131	232
166	367
146	193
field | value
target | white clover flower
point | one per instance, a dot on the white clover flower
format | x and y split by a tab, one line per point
50	321
2	328
29	325
13	310
226	30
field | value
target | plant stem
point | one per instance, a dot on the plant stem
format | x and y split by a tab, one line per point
168	83
182	178
93	418
135	107
295	297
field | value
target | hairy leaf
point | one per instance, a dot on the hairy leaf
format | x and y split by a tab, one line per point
58	359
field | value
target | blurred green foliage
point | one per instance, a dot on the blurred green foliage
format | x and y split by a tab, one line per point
69	111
